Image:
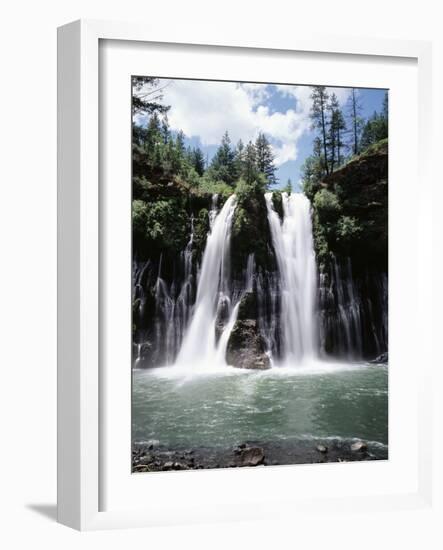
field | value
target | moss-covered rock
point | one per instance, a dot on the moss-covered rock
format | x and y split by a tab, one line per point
277	202
250	232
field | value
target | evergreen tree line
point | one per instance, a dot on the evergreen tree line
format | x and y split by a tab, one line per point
340	134
160	155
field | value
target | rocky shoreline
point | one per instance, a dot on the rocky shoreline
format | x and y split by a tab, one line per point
155	458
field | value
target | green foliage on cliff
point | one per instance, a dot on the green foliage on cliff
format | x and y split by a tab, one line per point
139	209
348	229
250	230
246	189
350	209
201	228
162	224
327	205
208	186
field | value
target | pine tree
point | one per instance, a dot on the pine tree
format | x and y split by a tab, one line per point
385	114
146	95
336	128
385	107
165	130
180	141
250	170
197	160
375	129
239	158
265	158
354	110
223	164
340	127
154	141
318	115
318	157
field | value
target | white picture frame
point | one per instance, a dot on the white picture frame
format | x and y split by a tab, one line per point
79	260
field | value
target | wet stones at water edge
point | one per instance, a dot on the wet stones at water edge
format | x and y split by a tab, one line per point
359	446
151	460
158	459
248	456
355	447
381	359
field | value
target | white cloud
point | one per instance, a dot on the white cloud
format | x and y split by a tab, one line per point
208	109
301	94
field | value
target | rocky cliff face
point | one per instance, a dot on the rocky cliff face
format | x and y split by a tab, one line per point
350	216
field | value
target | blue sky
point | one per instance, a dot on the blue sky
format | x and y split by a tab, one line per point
204	110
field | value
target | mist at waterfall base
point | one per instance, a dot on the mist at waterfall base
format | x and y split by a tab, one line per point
195	399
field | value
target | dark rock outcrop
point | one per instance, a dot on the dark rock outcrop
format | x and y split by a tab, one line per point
246	348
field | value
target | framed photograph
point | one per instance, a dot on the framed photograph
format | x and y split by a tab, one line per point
236	242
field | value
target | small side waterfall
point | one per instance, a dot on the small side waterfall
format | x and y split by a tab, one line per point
268	302
353	311
213	294
294	249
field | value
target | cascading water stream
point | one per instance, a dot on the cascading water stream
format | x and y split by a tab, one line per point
294	249
193	323
199	346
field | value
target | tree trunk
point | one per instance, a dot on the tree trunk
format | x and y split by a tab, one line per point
338	147
323	127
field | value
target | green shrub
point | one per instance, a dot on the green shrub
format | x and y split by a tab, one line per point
139	211
327	201
327	205
208	185
166	224
245	190
348	229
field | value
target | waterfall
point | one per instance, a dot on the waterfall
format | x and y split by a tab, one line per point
294	249
213	295
184	313
348	309
353	311
268	311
